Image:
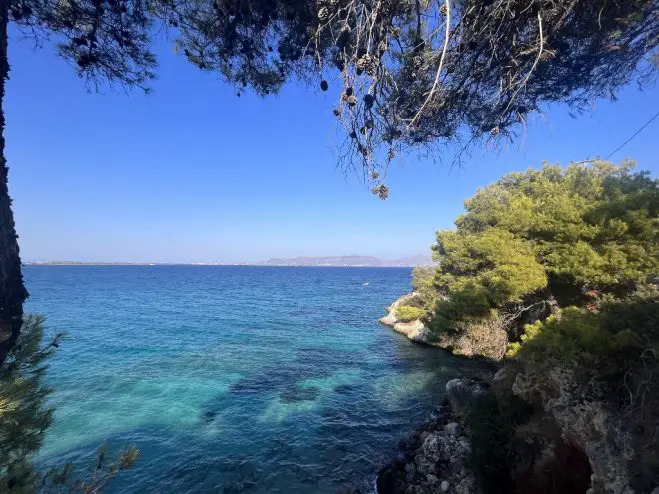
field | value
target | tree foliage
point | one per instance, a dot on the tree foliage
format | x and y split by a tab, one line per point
25	415
611	355
101	472
544	237
107	41
405	74
406	313
558	267
413	73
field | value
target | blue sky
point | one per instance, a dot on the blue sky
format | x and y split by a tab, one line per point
193	173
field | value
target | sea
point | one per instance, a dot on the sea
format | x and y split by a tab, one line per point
234	379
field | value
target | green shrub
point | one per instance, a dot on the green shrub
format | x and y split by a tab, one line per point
565	236
614	336
611	359
406	313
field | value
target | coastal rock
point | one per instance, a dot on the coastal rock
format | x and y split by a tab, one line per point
458	395
436	448
414	330
462	394
466	486
435	459
411	471
390	319
452	429
582	415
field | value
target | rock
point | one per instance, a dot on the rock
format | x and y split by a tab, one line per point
389	320
410	471
458	395
452	429
462	395
464	445
437	448
466	486
500	375
583	414
436	459
414	330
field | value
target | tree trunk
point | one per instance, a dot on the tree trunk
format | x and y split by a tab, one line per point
12	289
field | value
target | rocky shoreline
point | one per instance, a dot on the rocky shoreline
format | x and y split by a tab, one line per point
414	330
491	343
435	458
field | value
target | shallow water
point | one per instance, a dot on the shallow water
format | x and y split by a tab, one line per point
234	379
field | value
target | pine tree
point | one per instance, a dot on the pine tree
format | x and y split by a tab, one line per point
24	414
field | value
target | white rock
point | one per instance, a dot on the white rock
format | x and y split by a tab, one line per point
444	486
452	429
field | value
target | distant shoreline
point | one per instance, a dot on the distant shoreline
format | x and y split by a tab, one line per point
73	263
300	261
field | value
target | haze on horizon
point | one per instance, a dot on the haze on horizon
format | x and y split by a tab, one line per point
192	173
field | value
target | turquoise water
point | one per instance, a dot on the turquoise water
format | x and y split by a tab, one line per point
234	379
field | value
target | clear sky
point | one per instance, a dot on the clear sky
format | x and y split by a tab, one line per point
193	173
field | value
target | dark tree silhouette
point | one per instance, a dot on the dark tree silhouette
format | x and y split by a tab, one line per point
108	41
406	73
417	73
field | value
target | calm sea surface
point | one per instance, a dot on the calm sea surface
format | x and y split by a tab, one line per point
234	379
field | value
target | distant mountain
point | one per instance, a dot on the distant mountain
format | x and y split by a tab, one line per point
346	261
418	260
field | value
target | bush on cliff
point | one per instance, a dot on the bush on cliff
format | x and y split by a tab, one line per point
540	239
594	372
559	266
406	313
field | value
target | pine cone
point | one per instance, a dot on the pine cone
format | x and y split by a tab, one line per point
368	64
495	131
323	14
382	191
350	100
343	38
443	10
